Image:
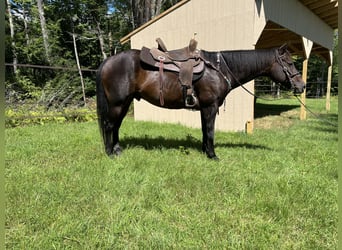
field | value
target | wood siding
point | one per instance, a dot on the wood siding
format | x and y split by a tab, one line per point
224	25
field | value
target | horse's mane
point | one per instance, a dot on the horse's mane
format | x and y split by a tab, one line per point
257	58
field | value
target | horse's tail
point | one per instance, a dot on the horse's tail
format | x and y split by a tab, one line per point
101	103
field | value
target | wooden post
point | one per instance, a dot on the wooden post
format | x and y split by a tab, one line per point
327	100
303	95
249	127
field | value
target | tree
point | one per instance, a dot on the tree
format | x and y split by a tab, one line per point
11	26
40	5
138	12
73	34
145	10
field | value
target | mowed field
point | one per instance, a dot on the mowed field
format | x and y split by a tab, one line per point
273	189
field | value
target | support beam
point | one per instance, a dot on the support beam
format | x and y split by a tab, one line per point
327	100
327	97
303	95
307	46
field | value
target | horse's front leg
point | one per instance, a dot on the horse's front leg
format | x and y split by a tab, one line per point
208	115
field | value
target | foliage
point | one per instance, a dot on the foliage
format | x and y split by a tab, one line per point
90	20
24	88
39	116
274	189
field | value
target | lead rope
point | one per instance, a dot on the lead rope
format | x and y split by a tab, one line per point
314	114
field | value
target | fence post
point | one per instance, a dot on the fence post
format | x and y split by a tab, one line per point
327	100
302	96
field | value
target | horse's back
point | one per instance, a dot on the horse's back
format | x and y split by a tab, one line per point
121	62
117	74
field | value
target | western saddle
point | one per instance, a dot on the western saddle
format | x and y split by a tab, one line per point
186	62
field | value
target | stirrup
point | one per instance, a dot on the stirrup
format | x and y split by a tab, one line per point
191	101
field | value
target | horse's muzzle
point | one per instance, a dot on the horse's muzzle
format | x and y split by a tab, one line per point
298	89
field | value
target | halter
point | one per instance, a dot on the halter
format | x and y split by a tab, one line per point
287	72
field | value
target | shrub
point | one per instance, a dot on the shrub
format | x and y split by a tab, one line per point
39	116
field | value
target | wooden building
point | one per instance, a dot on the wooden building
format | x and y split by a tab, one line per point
307	26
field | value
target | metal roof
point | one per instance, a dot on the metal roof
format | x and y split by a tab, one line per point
327	10
274	34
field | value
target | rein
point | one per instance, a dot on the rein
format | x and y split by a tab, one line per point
219	55
314	114
217	68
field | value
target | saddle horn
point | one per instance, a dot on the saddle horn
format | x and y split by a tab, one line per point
161	45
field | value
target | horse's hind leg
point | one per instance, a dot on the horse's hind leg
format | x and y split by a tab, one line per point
117	114
108	136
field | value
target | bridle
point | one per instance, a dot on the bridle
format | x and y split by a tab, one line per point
290	75
279	59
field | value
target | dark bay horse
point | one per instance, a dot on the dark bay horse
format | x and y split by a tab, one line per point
123	77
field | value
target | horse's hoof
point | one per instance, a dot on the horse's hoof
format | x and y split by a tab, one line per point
213	157
109	153
117	150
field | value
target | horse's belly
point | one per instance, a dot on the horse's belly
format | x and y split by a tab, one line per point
167	92
166	99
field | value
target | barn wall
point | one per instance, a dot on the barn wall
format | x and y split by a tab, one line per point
220	25
225	25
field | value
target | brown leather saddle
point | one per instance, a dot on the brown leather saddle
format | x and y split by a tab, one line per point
187	62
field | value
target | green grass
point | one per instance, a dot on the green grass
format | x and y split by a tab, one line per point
274	189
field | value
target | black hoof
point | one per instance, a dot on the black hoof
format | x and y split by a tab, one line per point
213	157
109	153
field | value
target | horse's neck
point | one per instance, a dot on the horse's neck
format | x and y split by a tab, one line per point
246	65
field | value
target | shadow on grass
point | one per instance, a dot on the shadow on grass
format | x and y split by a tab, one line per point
159	142
262	110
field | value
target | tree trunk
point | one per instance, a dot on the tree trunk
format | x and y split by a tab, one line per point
44	30
26	27
102	46
145	10
10	18
79	67
110	41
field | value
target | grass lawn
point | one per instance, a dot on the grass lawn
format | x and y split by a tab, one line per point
273	189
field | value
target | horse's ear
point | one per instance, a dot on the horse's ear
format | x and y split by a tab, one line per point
282	49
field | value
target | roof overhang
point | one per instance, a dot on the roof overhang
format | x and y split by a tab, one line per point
274	35
327	10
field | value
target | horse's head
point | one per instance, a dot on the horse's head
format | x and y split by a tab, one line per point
283	70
